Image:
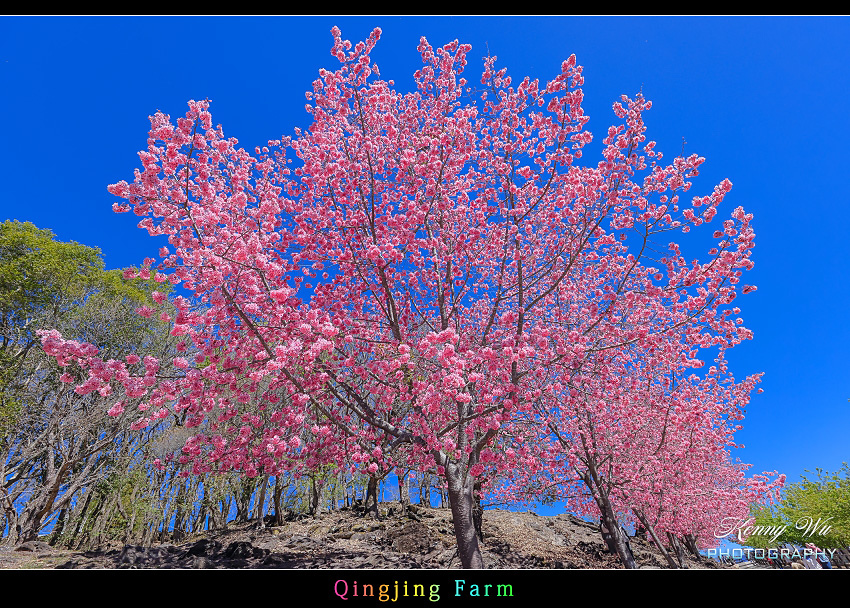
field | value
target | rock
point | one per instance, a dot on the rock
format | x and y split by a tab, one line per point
413	537
244	550
33	545
131	555
299	540
205	547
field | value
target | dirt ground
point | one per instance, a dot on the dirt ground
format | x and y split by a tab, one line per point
345	539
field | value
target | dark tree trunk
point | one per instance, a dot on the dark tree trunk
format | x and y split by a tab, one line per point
317	491
80	519
691	544
648	527
243	500
278	495
677	547
477	510
608	517
371	504
59	527
103	519
180	512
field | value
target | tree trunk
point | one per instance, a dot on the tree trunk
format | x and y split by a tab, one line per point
104	518
260	511
425	490
649	528
147	537
477	510
403	492
133	512
180	512
12	521
691	544
371	503
167	512
462	503
317	491
677	547
609	518
59	527
278	495
243	500
79	518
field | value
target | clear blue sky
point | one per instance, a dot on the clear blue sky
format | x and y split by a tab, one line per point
765	100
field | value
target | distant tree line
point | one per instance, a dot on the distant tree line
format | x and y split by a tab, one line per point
68	467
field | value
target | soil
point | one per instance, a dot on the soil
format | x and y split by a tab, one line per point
346	539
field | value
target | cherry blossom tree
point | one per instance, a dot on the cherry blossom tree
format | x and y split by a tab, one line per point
398	282
630	438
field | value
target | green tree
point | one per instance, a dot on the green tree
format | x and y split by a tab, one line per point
55	443
39	278
813	510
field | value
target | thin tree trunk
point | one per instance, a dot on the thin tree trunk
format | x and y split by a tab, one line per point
677	547
259	512
691	543
649	528
170	507
278	495
226	505
403	492
59	527
425	490
180	512
317	492
80	519
133	512
371	503
477	510
150	531
609	518
104	518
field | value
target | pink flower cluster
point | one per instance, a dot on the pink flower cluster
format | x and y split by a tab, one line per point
437	283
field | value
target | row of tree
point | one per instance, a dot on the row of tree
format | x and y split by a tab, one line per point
71	467
68	466
432	282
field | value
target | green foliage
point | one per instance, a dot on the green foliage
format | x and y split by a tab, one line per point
46	284
812	511
38	273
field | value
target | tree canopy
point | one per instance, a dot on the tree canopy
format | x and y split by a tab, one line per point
814	510
53	439
415	274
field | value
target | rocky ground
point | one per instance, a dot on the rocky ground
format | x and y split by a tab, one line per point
344	539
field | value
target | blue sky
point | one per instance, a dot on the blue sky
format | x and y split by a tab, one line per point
763	99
